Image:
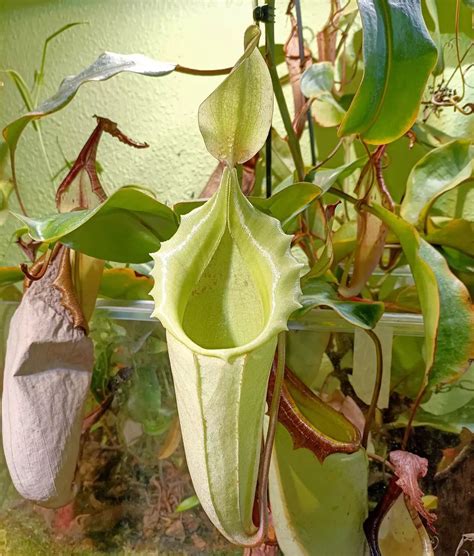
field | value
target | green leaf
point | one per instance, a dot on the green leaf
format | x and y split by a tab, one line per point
408	366
452	397
317	79
317	83
444	300
327	111
143	403
344	240
317	293
225	285
125	228
433	11
289	202
10	275
458	234
326	178
235	118
449	422
124	283
188	504
438	171
396	43
279	54
317	508
448	121
21	87
106	66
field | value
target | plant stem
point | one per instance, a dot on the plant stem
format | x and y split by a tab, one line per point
414	409
343	195
15	184
45	154
270	438
293	142
377	386
205	73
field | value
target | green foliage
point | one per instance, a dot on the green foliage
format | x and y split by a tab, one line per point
438	171
126	227
396	43
317	293
445	303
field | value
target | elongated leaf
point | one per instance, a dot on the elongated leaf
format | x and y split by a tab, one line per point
225	285
438	171
188	504
10	275
452	398
445	303
234	120
126	228
106	66
396	42
124	283
326	178
317	293
317	508
21	87
458	234
433	11
286	204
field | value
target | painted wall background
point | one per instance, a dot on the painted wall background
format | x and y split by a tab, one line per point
161	111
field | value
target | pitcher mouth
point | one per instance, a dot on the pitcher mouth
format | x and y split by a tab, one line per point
226	282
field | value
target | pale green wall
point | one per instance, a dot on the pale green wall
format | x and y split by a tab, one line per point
161	111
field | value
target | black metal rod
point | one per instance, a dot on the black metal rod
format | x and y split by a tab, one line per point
309	117
268	165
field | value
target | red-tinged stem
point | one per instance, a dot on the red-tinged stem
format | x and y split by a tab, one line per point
204	73
414	409
269	440
377	386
